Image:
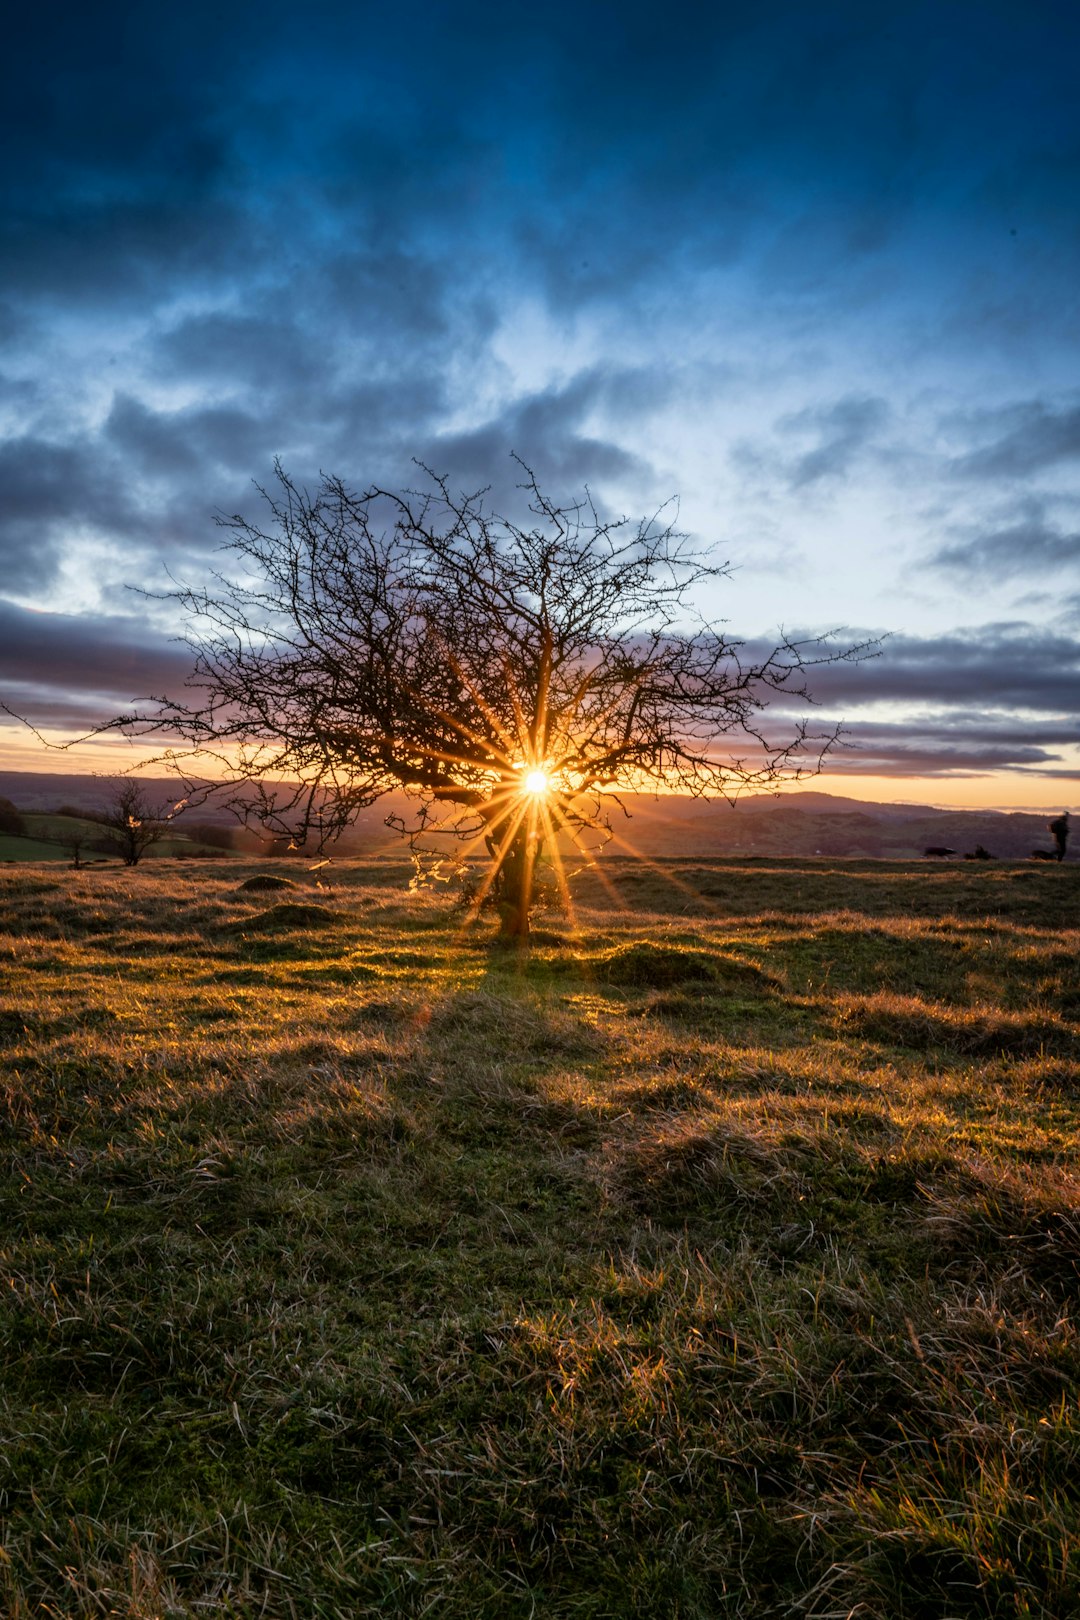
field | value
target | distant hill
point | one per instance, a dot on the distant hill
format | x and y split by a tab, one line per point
799	823
816	823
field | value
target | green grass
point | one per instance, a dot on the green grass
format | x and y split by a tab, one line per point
718	1259
48	838
25	848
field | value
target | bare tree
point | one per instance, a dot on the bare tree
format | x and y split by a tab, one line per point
74	841
508	675
133	825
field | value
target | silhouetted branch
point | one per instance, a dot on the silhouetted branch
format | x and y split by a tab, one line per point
414	640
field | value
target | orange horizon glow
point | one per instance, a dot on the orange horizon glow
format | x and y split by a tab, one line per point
1003	791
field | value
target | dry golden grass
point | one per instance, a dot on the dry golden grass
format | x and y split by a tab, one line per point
721	1257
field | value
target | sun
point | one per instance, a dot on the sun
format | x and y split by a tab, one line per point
536	782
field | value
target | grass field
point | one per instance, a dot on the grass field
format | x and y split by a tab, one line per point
721	1258
24	848
49	837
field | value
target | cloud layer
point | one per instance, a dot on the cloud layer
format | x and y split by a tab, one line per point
812	269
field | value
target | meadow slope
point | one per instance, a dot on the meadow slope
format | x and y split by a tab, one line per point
719	1259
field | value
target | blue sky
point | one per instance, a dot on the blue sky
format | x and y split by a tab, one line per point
814	270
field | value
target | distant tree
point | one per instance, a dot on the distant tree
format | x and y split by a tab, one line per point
210	833
510	676
12	824
74	842
133	825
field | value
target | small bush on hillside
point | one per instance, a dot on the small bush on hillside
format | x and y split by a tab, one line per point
12	824
209	832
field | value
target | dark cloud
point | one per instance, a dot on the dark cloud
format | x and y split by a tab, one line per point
186	444
842	430
264	351
149	482
549	432
910	714
19	394
898	758
75	672
1025	549
1038	436
995	698
958	745
145	488
602	150
1006	666
93	655
50	493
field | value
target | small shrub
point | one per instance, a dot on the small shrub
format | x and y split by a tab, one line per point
12	824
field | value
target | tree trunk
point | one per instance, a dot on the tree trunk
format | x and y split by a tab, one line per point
515	884
515	891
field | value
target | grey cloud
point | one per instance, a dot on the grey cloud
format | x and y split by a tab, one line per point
149	482
882	757
956	744
25	708
547	432
264	351
354	362
21	394
49	490
121	254
185	443
54	493
1011	666
380	413
1039	436
376	314
842	431
77	671
1021	549
397	292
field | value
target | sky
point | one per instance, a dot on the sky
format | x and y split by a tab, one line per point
813	271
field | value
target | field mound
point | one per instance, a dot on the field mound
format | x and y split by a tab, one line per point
924	1026
265	883
292	914
643	965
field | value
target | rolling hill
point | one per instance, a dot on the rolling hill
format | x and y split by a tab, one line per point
795	823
